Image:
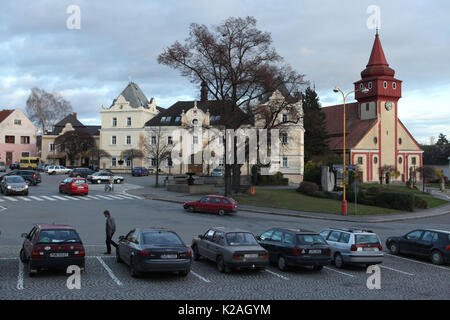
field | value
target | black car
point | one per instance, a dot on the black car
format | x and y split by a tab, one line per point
425	243
14	166
80	172
139	171
154	249
290	247
31	177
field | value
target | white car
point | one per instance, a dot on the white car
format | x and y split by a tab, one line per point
57	170
103	176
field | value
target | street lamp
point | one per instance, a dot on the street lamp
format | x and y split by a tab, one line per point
344	96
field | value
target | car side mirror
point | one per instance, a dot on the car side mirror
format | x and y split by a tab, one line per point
24	235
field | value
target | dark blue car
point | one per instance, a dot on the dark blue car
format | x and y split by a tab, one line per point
139	171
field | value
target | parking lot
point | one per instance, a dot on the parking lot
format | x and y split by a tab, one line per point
401	277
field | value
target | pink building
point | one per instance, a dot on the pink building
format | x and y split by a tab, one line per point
17	136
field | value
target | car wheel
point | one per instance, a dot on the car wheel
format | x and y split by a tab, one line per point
25	193
118	260
23	259
221	265
191	209
436	257
196	255
221	212
282	263
393	248
184	273
338	261
133	271
317	268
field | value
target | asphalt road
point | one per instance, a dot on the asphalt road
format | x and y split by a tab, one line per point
401	277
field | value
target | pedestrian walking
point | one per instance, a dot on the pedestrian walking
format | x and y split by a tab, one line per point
110	229
111	182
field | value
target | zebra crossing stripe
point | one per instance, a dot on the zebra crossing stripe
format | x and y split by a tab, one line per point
24	199
61	198
136	197
115	197
36	198
103	197
84	198
11	199
70	198
123	196
1	200
48	198
92	197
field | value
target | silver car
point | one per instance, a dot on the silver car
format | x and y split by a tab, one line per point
353	246
13	185
2	166
230	249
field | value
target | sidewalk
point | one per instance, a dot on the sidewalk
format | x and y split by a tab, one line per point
161	194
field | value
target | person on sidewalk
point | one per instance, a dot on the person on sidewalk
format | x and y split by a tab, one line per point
111	183
110	229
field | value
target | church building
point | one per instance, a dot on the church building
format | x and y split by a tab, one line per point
377	141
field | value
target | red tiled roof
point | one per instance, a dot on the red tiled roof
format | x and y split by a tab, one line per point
355	130
4	114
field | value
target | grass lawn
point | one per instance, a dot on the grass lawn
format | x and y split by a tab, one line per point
393	188
291	199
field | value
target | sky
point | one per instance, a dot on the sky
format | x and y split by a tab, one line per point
118	41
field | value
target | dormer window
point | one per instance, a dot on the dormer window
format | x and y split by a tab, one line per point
168	119
385	84
163	119
361	86
217	118
177	119
18	122
394	85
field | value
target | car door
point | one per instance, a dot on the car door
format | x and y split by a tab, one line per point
332	240
125	248
215	204
408	242
264	240
275	245
203	204
217	245
424	245
28	242
206	244
288	243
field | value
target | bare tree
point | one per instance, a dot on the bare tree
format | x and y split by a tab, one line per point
132	154
157	147
75	142
45	109
97	153
238	64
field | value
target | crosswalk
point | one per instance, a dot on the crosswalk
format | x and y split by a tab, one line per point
52	198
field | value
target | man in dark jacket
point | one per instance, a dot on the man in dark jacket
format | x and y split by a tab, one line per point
110	229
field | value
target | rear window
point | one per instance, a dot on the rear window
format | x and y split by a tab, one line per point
34	161
14	179
241	239
58	236
161	237
310	239
366	239
23	161
79	182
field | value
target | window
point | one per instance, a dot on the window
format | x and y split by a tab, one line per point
222	162
375	159
218	238
128	140
163	119
429	236
285	162
375	140
177	119
128	163
169	163
168	119
413	160
25	140
266	235
211	118
400	140
217	118
205	200
325	233
285	118
360	160
9	139
241	239
25	154
334	236
345	237
215	201
415	235
289	238
153	139
18	122
367	107
129	121
194	122
400	160
385	84
394	85
113	140
361	86
169	140
113	161
195	139
153	162
51	147
114	122
310	239
277	236
370	85
284	138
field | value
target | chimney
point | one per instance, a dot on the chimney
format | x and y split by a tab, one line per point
75	114
204	92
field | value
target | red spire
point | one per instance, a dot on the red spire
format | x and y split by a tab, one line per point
377	65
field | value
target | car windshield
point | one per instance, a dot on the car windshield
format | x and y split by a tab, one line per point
241	239
366	239
15	180
232	200
79	182
58	236
161	238
310	239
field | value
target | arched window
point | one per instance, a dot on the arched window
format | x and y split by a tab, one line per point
400	160
375	159
370	85
385	84
375	140
394	85
400	141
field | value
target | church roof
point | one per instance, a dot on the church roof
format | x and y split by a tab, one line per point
76	124
377	65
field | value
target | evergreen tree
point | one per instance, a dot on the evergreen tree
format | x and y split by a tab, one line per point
316	135
442	140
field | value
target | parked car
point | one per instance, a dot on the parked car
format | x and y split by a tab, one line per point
13	185
51	246
2	166
218	172
31	177
424	243
290	247
57	170
80	172
353	246
213	204
42	167
154	249
74	186
103	176
139	171
14	166
230	249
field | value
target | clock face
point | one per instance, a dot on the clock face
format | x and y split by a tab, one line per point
388	106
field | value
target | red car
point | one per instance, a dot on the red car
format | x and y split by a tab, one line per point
51	246
74	186
212	203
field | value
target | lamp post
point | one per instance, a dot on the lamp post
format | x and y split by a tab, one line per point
344	96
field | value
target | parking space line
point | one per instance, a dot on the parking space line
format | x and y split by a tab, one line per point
48	198
20	276
70	198
111	274
36	198
11	199
200	277
420	262
61	198
392	269
343	273
276	274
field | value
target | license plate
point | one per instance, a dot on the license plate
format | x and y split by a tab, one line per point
251	256
59	255
315	251
80	188
370	249
168	256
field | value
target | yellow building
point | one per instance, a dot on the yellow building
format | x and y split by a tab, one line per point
376	139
